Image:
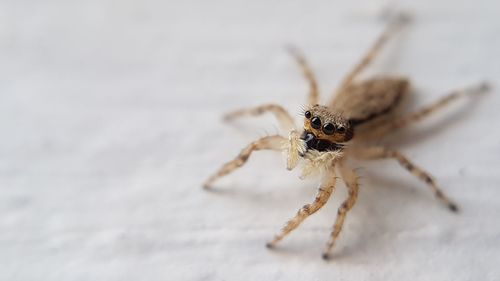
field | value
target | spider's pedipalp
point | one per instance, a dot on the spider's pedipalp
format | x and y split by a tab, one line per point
319	162
294	148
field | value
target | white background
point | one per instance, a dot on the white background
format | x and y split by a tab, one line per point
110	121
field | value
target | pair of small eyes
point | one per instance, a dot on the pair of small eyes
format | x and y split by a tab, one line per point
327	128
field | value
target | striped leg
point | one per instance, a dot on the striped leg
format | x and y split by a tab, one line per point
351	180
384	153
324	192
284	118
411	118
395	23
270	142
313	97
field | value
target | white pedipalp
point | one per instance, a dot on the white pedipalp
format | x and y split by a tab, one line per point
313	162
294	148
317	163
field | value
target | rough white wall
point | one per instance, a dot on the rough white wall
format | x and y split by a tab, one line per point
110	121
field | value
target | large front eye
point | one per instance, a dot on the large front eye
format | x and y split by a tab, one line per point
316	122
308	114
329	129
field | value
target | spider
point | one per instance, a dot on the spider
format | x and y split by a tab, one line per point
360	113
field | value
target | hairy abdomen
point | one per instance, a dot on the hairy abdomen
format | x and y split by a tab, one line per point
365	101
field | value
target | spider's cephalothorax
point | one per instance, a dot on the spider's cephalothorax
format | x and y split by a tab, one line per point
321	145
325	130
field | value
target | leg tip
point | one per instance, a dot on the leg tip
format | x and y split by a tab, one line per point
484	87
269	245
292	50
231	116
326	256
453	207
479	89
395	15
404	18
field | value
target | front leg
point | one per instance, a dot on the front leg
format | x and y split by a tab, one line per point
269	142
313	97
324	192
284	118
351	180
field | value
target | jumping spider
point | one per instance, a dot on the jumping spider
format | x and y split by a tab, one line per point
359	114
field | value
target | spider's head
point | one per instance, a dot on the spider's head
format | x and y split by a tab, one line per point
325	129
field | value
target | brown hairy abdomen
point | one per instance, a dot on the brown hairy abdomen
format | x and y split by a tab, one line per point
365	101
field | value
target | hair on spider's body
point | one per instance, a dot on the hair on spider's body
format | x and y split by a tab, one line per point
360	113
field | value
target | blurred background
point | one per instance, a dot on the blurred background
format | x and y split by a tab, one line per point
110	119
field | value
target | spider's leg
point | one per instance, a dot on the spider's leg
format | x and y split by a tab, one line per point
269	142
284	118
351	180
394	24
313	97
406	120
325	190
384	153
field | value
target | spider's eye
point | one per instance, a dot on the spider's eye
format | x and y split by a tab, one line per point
316	122
308	114
341	130
329	129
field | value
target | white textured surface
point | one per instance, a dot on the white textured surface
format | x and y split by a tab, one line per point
110	121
